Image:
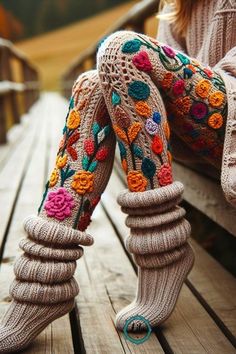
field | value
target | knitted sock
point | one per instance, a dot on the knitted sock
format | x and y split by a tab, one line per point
44	288
159	231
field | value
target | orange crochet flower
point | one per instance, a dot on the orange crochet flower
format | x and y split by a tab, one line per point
183	105
202	88
54	177
73	120
143	109
61	161
167	81
191	67
124	165
83	182
136	181
216	99
215	121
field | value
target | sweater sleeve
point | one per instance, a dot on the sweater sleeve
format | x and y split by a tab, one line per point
228	63
167	35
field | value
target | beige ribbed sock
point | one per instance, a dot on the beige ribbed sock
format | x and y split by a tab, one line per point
44	288
158	242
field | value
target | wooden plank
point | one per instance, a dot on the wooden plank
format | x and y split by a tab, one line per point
190	328
207	196
56	338
107	283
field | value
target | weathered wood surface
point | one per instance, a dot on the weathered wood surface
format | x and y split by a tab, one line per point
204	318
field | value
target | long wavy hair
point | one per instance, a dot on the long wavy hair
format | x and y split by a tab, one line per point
181	14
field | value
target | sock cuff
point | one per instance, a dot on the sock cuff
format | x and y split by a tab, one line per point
152	197
43	230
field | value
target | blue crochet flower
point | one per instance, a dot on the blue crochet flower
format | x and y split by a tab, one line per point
115	98
139	90
132	46
156	117
187	73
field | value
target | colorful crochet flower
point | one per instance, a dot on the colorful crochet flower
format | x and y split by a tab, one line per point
132	46
199	110
165	175
73	120
89	146
168	51
61	161
142	62
54	177
202	88
156	117
215	121
143	109
136	181
216	99
157	145
167	81
178	88
183	105
151	127
83	182
59	204
139	90
102	154
208	72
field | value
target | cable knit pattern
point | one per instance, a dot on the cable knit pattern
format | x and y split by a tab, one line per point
159	246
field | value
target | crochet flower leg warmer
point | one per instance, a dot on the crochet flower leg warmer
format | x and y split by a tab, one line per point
129	70
44	288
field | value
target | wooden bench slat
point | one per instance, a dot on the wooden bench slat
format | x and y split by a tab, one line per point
189	329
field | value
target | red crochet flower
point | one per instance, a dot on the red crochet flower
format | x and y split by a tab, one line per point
102	154
165	175
178	88
157	145
208	72
89	146
84	222
142	62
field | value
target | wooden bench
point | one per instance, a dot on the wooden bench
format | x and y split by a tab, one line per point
204	320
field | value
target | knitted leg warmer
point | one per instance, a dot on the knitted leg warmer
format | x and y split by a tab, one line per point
44	288
129	72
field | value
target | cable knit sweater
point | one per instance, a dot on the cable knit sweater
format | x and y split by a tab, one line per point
211	39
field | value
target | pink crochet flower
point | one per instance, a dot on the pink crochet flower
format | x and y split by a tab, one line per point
168	51
142	62
199	110
178	88
59	204
165	175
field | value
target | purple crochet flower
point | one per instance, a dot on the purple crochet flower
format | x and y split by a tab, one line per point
151	127
199	110
59	204
168	51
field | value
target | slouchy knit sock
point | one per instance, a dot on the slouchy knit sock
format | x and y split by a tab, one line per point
44	288
133	71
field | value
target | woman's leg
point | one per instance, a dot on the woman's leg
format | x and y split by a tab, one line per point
141	80
44	288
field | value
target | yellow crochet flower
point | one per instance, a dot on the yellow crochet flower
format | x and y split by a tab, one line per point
216	99
202	88
61	161
83	182
136	181
54	177
73	120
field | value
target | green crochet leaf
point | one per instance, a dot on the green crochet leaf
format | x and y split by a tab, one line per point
132	46
115	98
93	166
148	167
95	128
137	151
85	162
122	149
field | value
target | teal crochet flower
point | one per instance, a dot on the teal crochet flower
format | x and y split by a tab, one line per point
115	98
132	46
139	90
185	60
